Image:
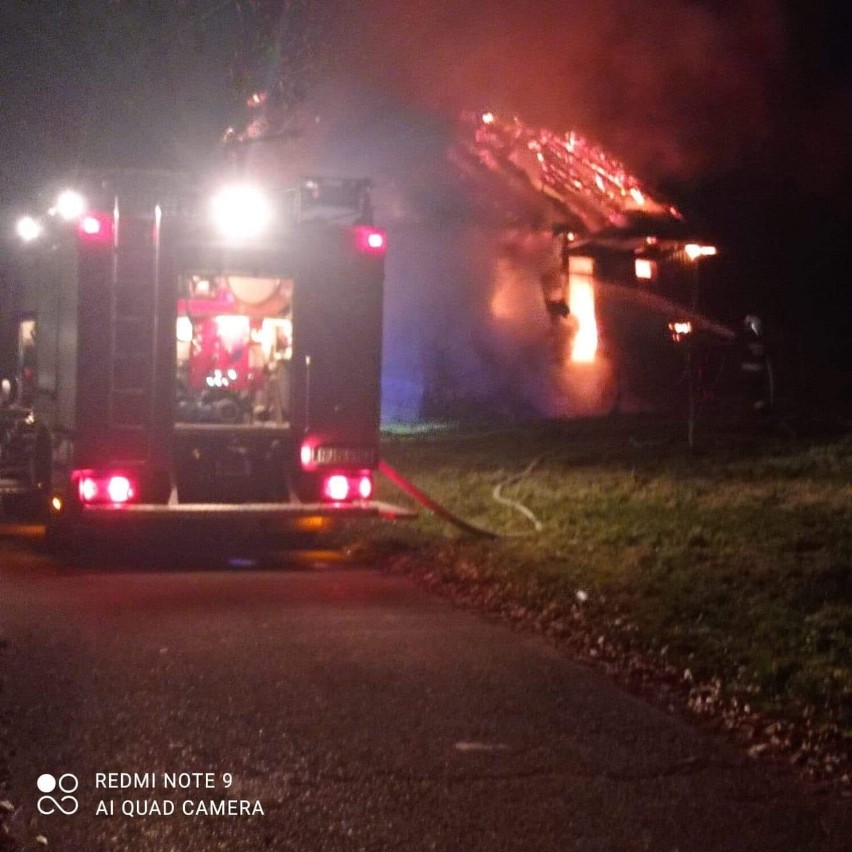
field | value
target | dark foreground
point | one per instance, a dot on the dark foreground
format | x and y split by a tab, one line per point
358	711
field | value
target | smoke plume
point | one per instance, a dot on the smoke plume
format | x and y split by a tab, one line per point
672	87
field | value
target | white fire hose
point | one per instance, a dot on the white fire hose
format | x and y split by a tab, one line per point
442	512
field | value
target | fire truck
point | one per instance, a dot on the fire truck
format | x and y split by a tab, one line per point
175	349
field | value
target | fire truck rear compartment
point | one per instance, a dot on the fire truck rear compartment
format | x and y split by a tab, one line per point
233	349
232	463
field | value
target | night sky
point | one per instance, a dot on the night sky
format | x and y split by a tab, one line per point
740	110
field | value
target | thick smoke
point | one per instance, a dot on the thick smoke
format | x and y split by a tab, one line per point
672	87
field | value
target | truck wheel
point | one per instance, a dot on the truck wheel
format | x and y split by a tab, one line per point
61	536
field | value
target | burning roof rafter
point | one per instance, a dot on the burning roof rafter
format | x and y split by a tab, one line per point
576	174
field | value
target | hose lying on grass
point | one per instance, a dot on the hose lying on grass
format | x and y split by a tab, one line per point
497	494
442	512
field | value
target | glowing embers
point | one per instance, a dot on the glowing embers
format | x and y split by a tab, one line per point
98	488
595	186
581	302
342	487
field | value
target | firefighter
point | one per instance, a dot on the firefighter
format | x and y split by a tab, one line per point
755	366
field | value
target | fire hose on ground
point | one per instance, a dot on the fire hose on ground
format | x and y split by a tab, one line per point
442	512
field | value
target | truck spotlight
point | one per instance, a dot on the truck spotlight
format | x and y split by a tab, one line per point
70	205
28	229
241	212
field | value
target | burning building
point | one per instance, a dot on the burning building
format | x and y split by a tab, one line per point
528	271
565	273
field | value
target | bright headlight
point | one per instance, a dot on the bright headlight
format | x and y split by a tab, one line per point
241	212
28	229
70	205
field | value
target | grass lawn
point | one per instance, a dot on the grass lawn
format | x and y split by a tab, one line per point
730	564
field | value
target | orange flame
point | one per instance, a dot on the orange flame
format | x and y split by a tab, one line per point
582	304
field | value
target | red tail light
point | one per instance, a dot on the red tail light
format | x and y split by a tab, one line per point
370	240
88	489
306	455
120	489
336	487
342	487
95	227
99	488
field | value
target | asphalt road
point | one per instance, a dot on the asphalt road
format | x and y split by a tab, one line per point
358	711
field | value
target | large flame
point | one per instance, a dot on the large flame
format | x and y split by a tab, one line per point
568	167
582	305
581	302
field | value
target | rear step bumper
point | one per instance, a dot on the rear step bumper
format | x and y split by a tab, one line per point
296	512
200	523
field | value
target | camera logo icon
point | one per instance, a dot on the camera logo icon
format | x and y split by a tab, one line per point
65	804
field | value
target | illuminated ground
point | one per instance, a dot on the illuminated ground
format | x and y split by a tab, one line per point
362	714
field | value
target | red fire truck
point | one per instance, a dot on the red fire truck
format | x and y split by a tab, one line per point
167	356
